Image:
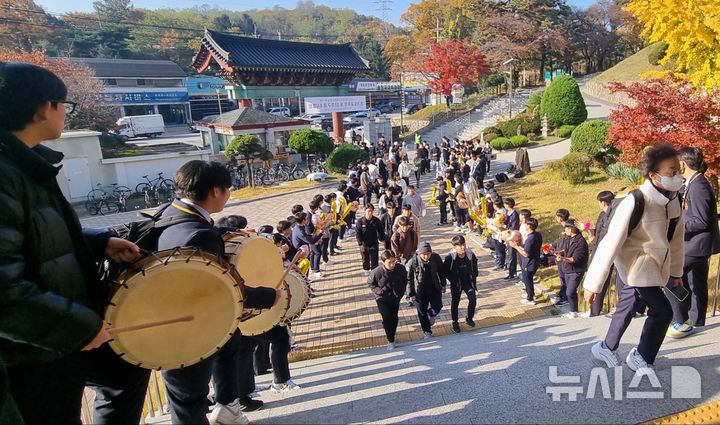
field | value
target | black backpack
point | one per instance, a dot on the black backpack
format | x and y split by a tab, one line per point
145	234
638	211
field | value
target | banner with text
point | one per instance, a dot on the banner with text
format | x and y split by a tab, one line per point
323	105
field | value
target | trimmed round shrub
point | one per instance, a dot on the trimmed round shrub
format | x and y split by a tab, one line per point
343	155
590	138
518	141
563	103
310	141
573	167
564	130
501	143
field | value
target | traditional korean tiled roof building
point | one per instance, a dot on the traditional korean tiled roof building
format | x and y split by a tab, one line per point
263	68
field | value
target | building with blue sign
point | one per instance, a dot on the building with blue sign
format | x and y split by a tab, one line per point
208	96
143	87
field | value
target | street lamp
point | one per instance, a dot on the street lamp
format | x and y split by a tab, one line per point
510	63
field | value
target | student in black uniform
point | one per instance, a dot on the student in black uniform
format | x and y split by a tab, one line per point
369	231
427	280
529	258
461	269
204	188
387	282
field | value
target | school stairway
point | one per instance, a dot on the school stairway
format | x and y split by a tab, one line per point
469	125
502	374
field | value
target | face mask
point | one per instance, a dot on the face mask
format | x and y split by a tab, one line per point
673	184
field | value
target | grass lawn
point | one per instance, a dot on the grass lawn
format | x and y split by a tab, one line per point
250	193
543	192
545	141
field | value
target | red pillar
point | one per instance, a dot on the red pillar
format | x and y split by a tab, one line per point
338	130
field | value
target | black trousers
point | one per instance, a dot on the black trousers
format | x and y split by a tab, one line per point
597	305
369	256
695	280
324	249
277	340
443	212
572	281
656	325
455	291
367	198
334	234
562	295
500	251
187	388
261	357
428	304
389	306
512	265
52	392
528	277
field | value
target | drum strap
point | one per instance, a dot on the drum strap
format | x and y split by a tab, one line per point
187	210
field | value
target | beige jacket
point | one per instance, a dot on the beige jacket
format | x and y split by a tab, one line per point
646	258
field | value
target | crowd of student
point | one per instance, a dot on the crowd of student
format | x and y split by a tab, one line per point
53	336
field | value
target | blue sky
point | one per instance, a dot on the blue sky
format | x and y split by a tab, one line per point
366	7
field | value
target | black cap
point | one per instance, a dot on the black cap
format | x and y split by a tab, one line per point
424	247
407	207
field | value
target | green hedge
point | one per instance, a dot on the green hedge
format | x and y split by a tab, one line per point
590	138
564	130
563	103
535	100
573	167
501	143
344	155
518	141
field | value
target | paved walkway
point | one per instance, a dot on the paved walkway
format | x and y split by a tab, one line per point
494	375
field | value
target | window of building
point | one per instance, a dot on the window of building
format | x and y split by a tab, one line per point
140	82
127	83
168	83
111	82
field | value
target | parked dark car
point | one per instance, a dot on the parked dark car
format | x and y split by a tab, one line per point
386	106
409	109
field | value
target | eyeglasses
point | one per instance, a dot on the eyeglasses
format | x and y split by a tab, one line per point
69	106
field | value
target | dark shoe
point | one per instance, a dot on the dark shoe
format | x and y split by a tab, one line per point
509	278
470	322
249	405
456	327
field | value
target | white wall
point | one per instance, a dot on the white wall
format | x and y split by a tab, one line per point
130	171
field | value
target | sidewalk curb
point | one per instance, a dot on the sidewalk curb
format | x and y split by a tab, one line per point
264	197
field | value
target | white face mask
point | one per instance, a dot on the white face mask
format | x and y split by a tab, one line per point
673	184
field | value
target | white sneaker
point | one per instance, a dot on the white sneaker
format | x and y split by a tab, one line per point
282	388
680	330
259	388
390	346
605	355
318	275
637	364
585	315
329	262
571	315
526	302
366	273
228	415
457	229
427	335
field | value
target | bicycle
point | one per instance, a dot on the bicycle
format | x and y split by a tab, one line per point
156	191
317	166
101	202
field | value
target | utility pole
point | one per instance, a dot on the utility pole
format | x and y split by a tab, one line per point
437	30
384	9
510	62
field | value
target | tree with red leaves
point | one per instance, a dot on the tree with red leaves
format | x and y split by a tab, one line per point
666	110
454	62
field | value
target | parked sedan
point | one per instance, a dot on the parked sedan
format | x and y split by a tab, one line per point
386	106
361	116
409	109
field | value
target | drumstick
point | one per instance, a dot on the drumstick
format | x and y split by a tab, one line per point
156	323
290	266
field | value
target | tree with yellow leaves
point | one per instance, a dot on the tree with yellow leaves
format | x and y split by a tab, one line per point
691	29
